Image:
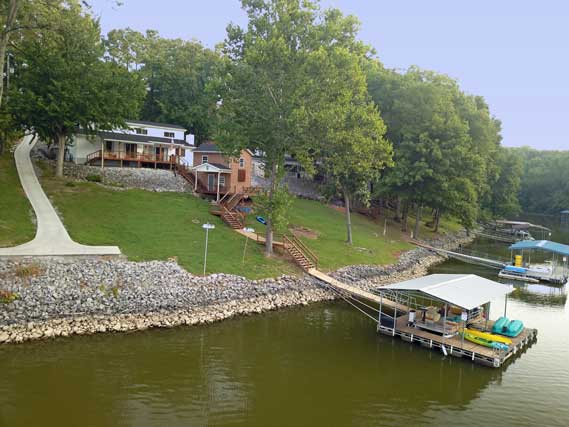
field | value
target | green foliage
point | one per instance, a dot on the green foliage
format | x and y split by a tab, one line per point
8	297
275	209
180	77
94	178
503	200
444	156
61	81
544	181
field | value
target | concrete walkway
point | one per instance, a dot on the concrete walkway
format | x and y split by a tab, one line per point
51	236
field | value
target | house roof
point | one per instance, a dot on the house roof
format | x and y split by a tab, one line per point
211	167
542	245
155	124
143	139
211	147
207	147
467	291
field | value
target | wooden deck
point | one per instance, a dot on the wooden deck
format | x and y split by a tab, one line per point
456	346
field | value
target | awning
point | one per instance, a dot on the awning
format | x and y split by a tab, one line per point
466	291
212	167
542	245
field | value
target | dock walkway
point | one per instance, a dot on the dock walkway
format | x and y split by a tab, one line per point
354	290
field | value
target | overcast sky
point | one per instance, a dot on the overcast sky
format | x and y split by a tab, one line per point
514	53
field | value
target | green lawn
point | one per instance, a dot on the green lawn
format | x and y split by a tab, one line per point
370	246
15	211
148	225
157	226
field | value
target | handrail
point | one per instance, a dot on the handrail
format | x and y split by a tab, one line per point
130	156
299	246
305	248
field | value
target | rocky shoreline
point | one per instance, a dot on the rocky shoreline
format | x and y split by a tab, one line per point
63	297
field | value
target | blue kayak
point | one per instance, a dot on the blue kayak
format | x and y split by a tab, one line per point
261	220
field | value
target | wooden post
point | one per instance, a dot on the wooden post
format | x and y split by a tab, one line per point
218	176
505	304
102	154
196	180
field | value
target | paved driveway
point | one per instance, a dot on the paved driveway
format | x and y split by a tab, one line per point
51	237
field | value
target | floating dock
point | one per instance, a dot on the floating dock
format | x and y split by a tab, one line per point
456	346
468	293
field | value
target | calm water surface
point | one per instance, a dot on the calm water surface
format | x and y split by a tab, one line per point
322	365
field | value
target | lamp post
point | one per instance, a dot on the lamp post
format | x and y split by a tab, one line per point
206	227
246	230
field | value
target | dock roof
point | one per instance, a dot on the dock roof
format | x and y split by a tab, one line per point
542	245
467	291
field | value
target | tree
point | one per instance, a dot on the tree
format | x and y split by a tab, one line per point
180	77
504	197
63	83
8	13
262	103
353	151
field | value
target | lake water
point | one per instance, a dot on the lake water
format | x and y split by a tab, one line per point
322	365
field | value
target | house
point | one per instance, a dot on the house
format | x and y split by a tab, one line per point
215	173
142	144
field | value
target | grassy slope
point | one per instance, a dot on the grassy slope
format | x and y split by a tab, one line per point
15	211
370	246
147	225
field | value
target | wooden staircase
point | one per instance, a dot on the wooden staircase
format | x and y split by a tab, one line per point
302	255
232	218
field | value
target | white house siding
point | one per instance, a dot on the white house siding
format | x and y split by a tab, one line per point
156	131
82	147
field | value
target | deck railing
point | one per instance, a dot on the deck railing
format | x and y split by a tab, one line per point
129	156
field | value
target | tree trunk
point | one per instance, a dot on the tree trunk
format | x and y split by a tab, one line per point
437	220
60	156
269	228
4	38
348	218
405	216
397	209
417	220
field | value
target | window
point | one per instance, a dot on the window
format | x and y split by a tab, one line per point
169	134
222	181
204	159
141	131
109	146
241	162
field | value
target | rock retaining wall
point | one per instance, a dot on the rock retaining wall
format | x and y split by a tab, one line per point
62	298
142	178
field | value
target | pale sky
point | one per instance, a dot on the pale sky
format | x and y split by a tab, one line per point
514	53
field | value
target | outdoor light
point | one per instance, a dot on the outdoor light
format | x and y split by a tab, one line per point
206	227
246	230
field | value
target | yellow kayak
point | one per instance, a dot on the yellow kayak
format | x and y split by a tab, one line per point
489	337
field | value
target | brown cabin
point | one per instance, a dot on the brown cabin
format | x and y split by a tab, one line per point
218	174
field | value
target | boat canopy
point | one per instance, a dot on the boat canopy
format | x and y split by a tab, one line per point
466	291
520	225
542	245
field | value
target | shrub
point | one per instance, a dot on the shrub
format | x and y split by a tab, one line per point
27	270
94	178
7	297
70	184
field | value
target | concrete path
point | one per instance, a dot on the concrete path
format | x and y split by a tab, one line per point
51	236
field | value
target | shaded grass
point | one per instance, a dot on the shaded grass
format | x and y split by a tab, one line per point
16	225
157	226
370	246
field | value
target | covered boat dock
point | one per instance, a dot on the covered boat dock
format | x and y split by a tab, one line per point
440	307
555	270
